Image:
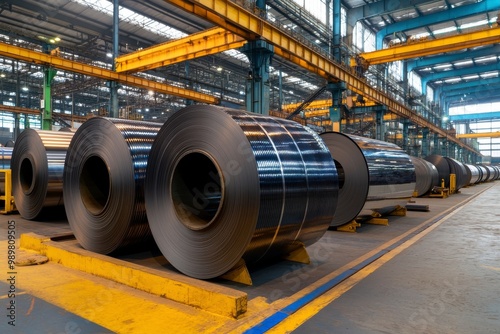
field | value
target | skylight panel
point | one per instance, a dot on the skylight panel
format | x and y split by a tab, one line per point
134	18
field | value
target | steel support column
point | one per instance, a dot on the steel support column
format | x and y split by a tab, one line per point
336	89
113	85
436	144
260	54
49	74
379	123
336	31
425	142
406	124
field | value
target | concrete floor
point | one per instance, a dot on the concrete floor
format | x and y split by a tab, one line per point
431	272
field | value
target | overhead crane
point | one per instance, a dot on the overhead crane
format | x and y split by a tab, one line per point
480	135
422	48
200	44
237	19
321	104
29	56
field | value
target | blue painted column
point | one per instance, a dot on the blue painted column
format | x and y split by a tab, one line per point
406	124
336	31
336	89
260	54
113	85
425	142
280	90
436	144
379	123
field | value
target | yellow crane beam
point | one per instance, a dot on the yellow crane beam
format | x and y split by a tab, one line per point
431	47
320	104
19	110
232	17
480	135
29	56
197	45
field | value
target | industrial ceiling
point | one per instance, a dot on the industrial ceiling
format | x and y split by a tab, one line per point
84	28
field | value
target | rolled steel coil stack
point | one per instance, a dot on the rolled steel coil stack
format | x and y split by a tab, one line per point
492	173
447	166
427	176
104	183
37	169
475	173
373	175
223	184
484	173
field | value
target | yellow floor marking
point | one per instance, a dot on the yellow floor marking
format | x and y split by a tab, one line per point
253	318
302	315
112	305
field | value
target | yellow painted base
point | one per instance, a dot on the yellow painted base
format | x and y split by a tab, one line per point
378	221
400	211
200	294
349	227
239	274
298	254
7	198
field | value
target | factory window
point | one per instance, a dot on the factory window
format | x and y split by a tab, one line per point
363	38
415	81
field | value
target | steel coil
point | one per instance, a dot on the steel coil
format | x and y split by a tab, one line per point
447	166
426	174
484	173
491	173
104	183
37	168
497	168
223	184
475	173
373	175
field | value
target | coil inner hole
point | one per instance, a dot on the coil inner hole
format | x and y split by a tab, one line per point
26	175
94	184
197	190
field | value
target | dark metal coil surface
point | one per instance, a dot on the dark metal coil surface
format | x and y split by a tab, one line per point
373	175
447	166
497	172
104	183
475	173
426	174
491	173
37	169
458	168
223	184
484	173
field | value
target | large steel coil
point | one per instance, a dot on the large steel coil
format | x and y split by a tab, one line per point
373	175
104	183
223	184
447	166
426	174
484	173
491	173
475	173
497	168
37	169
